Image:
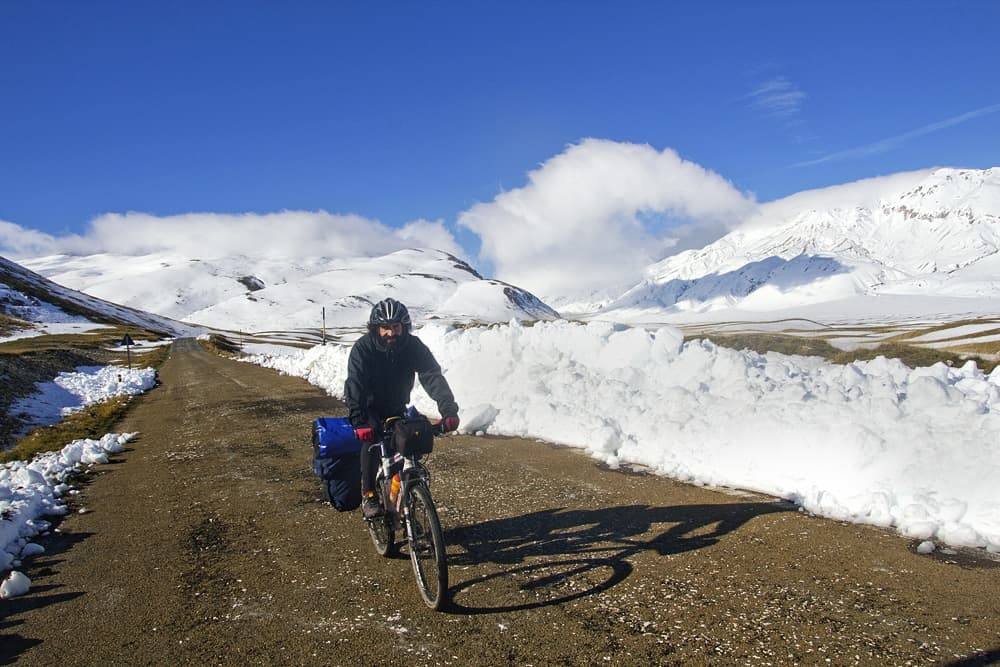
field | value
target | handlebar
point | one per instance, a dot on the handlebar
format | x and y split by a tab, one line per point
437	428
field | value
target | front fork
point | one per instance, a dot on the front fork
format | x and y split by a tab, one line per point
403	508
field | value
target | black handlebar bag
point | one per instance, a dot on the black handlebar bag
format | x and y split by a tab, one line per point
413	436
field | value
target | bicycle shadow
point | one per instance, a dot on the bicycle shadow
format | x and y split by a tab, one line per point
979	659
564	555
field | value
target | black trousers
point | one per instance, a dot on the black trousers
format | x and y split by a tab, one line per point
371	457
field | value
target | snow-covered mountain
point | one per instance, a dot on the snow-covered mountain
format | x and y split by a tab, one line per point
265	293
909	245
932	233
34	300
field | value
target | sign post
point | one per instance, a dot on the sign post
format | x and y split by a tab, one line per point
128	343
324	325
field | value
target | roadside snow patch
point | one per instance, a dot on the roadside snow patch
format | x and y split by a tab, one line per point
29	491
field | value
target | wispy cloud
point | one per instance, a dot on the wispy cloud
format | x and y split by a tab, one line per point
892	142
778	98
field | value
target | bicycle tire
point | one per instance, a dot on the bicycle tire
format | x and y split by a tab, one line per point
383	536
427	548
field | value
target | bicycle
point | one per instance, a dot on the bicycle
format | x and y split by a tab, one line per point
402	486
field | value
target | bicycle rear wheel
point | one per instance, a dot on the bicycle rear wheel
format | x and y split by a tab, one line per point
427	549
383	535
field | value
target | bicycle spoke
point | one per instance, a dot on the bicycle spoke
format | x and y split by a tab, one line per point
382	534
427	548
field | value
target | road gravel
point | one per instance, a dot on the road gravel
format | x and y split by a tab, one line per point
208	543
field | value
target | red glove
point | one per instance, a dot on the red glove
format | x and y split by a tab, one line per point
449	424
365	435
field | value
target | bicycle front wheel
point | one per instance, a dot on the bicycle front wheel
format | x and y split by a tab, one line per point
427	549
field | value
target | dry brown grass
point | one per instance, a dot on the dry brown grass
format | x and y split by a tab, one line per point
91	422
219	344
911	355
762	343
991	349
105	337
949	325
9	325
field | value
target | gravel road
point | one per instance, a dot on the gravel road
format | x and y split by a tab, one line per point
208	543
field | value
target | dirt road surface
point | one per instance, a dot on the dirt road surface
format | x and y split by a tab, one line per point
208	543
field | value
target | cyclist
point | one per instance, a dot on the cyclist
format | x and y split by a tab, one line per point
380	374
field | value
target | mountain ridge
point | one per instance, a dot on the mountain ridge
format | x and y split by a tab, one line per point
266	293
944	232
31	299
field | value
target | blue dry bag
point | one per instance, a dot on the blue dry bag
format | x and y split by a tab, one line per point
334	436
337	462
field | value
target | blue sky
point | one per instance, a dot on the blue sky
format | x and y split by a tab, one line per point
405	111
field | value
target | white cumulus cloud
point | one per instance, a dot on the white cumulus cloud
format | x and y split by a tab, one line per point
587	222
591	218
279	234
20	242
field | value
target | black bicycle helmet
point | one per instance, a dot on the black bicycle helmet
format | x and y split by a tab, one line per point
389	311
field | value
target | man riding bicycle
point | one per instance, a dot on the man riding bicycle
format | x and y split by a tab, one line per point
380	374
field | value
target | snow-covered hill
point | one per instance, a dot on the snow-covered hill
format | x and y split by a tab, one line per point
265	293
904	246
40	303
932	233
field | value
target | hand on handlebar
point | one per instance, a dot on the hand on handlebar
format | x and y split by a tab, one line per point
449	424
365	435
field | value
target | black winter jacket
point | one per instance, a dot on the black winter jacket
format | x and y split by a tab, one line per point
379	381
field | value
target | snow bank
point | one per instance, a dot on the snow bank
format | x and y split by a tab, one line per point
29	491
873	442
73	391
